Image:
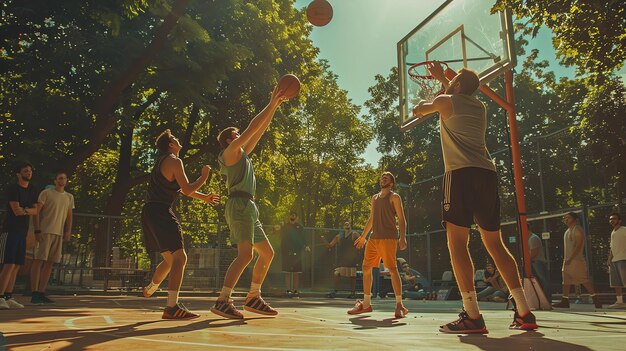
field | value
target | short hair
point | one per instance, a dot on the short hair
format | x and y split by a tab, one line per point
616	215
293	213
469	81
393	179
226	134
573	215
56	174
19	166
163	141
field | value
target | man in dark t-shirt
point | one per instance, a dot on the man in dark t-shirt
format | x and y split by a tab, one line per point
21	204
347	258
293	243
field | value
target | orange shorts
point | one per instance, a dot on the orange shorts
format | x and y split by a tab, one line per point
380	248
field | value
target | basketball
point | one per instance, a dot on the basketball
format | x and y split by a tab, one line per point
290	85
319	13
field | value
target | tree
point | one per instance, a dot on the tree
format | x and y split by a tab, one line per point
590	35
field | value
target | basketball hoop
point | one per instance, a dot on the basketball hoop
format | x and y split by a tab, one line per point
430	87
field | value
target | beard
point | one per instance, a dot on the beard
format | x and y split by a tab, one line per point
25	178
385	186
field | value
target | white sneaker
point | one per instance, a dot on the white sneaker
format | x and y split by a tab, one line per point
617	305
13	304
3	304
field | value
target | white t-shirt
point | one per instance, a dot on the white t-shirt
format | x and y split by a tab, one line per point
618	244
54	209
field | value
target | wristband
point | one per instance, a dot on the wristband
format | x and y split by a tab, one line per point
37	231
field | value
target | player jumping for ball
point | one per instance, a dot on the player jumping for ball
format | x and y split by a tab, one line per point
470	195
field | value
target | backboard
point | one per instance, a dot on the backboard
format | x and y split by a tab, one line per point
462	33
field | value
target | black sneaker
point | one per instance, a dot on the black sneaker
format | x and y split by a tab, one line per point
226	309
46	300
596	301
528	322
296	294
36	299
331	295
465	325
563	304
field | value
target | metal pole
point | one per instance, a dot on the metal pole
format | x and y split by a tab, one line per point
428	259
313	245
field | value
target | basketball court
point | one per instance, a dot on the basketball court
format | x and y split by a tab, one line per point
133	323
460	33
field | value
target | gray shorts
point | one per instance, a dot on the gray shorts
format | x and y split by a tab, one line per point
617	274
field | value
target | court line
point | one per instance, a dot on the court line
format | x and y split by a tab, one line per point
69	323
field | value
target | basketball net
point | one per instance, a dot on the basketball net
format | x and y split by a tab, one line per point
429	87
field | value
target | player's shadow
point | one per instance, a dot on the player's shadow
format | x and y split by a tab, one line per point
82	339
215	322
530	340
364	322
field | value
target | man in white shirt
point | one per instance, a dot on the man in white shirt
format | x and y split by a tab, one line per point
617	259
53	227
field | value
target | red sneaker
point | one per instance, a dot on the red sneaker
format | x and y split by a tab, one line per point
401	311
359	308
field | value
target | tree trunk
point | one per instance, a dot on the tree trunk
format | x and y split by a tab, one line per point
103	111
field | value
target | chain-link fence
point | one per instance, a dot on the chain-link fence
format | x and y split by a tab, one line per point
107	253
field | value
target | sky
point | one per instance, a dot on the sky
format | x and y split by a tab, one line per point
361	41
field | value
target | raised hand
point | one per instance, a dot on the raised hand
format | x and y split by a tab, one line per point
436	70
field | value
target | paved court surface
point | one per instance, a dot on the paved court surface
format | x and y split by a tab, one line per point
131	323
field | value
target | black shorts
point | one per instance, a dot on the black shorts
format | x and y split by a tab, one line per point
470	195
13	248
292	261
161	229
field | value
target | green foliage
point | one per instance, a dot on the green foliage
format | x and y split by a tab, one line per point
216	69
590	35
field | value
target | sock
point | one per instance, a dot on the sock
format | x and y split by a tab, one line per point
8	295
152	288
520	301
225	294
172	298
255	289
398	298
470	303
620	299
367	300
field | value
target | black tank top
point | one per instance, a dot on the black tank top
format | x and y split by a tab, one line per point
347	253
160	189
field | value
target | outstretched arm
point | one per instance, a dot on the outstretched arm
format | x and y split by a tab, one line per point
212	199
250	137
442	104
